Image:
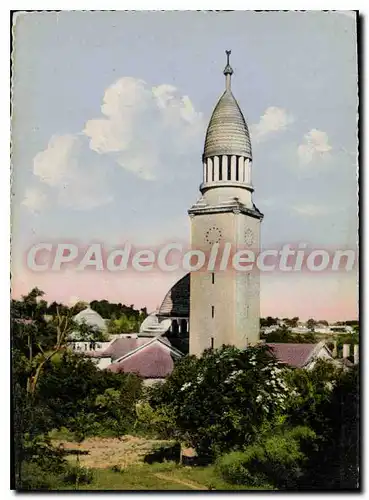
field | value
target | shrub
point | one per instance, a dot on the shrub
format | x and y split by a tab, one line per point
76	474
277	461
237	467
34	478
218	403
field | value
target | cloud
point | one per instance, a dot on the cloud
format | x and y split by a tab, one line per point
136	118
75	183
315	145
35	199
146	130
273	120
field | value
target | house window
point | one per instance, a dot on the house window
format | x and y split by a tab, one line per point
212	311
212	343
212	278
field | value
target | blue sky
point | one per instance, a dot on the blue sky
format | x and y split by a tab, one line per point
109	115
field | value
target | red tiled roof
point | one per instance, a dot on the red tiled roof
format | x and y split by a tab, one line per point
121	347
296	355
152	361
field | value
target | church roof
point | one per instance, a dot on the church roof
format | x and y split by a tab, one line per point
176	303
227	133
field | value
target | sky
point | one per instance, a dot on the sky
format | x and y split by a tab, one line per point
109	116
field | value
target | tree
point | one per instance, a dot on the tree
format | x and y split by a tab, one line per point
221	400
323	322
83	332
311	323
292	323
54	387
334	462
269	321
78	307
123	324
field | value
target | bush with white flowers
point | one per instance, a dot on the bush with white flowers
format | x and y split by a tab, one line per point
225	397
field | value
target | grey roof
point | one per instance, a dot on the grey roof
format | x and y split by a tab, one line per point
91	317
227	133
176	303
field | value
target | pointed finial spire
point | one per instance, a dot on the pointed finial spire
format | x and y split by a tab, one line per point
228	71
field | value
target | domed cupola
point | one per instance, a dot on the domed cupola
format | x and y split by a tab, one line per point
227	153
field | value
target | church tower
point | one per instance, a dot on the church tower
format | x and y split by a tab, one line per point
225	305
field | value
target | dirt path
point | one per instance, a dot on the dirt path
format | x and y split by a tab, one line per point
171	479
101	453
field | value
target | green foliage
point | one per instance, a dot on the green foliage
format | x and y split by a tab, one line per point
311	323
284	335
291	322
276	460
284	428
84	332
124	324
110	310
70	390
54	388
36	477
334	464
160	422
349	338
117	407
311	389
269	321
75	474
219	401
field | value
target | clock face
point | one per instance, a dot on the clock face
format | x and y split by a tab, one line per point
249	237
213	235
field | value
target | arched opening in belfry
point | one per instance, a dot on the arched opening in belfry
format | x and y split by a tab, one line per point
183	327
175	327
220	168
229	171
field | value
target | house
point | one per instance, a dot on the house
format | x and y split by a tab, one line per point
152	358
153	361
300	355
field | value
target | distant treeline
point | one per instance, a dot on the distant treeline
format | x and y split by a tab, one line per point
106	309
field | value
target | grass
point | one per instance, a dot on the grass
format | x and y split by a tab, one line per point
159	477
119	465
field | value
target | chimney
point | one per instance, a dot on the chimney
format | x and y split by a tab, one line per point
345	351
356	354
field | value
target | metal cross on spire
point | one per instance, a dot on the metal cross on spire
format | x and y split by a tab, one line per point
228	52
228	71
